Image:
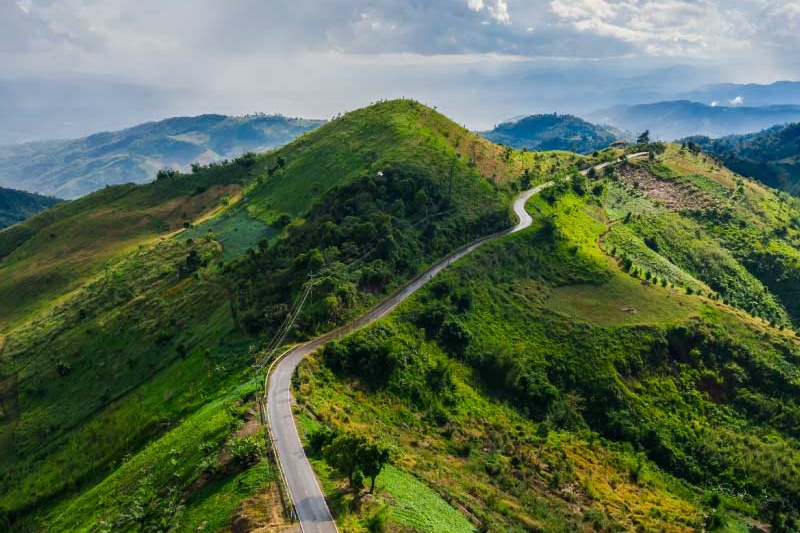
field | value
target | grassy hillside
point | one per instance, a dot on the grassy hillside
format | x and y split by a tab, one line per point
73	168
16	206
55	252
148	303
771	156
554	132
736	236
549	382
544	384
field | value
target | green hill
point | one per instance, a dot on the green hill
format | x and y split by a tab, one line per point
581	375
73	168
599	371
16	206
771	156
554	132
124	298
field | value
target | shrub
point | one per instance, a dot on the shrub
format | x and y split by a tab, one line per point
249	449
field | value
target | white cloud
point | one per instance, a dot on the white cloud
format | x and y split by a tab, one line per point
500	12
498	9
24	7
736	101
665	27
714	103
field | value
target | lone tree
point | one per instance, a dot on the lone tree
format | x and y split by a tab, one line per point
356	457
644	138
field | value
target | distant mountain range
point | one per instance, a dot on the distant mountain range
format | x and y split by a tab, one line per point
69	169
771	156
683	118
751	94
554	132
16	206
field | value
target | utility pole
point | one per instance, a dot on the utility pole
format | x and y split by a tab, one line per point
311	288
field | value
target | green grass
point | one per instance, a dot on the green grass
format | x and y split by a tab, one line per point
171	462
622	301
234	230
641	410
212	507
414	504
740	242
115	342
57	251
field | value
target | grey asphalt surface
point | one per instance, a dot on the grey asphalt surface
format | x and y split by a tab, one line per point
309	500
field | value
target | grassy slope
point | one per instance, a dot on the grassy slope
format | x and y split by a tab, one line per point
117	343
150	355
743	243
55	252
769	156
567	411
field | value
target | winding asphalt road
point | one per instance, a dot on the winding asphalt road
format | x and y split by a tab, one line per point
309	500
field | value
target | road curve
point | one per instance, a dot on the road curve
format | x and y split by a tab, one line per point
309	500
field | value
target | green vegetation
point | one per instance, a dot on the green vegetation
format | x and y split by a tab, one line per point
608	369
554	132
125	312
618	386
57	251
770	156
16	206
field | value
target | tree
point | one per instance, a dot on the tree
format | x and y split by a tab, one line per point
644	138
355	456
342	455
525	181
372	457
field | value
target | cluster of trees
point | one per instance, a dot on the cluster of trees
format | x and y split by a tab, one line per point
379	359
359	238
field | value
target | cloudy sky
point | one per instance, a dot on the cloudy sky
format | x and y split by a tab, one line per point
478	60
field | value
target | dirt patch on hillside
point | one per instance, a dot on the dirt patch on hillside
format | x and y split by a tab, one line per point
262	513
675	195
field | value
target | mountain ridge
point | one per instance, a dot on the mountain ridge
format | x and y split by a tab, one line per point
771	156
670	120
72	168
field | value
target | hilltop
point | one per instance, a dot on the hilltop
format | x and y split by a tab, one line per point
73	168
597	371
16	206
136	293
682	118
554	132
771	156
